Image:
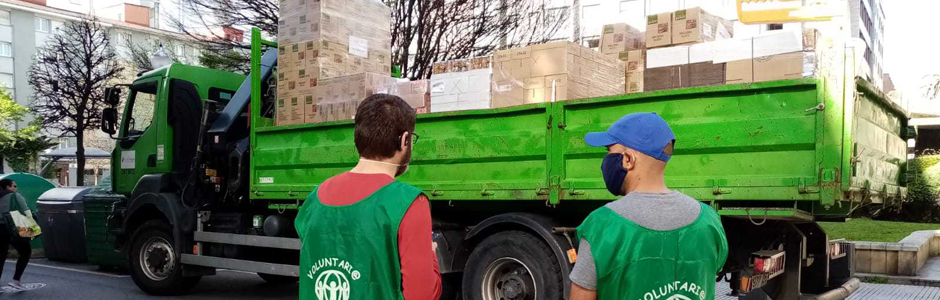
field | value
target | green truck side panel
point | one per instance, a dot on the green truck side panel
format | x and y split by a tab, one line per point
735	142
815	140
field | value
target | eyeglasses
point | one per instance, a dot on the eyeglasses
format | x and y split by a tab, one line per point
414	137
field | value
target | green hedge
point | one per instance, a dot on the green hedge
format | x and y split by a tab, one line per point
923	188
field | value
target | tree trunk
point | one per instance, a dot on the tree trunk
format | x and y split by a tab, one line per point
80	155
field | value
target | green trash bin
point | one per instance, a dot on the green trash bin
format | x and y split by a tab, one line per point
98	241
31	187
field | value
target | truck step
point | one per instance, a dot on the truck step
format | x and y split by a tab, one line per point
241	265
247	240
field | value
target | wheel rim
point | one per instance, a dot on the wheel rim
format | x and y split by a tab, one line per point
157	259
508	278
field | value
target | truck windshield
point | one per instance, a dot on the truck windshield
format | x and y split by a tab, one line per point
142	100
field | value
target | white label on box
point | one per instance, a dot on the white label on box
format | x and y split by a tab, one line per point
128	159
266	180
438	87
664	57
504	88
159	152
358	46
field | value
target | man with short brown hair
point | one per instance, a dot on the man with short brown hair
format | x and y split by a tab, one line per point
366	235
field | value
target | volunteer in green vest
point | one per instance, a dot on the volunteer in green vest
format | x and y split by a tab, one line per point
653	243
364	234
11	200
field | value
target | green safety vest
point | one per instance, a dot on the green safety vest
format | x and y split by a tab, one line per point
637	263
351	251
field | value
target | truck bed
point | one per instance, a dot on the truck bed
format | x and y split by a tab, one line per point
798	146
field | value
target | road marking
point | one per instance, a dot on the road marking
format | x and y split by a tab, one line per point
73	270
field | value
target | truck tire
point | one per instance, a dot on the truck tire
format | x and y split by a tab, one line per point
512	265
155	267
278	279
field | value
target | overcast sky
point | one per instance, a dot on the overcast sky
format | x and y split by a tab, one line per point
911	43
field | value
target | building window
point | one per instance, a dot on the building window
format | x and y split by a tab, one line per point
774	27
6	49
155	15
4	18
179	49
43	25
195	52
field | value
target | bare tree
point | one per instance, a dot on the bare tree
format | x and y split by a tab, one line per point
69	75
423	31
140	55
932	87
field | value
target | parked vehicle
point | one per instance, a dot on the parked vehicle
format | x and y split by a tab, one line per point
211	183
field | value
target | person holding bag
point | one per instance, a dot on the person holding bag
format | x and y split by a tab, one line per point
10	201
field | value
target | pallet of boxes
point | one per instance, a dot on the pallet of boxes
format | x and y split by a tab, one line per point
332	54
679	49
540	73
692	48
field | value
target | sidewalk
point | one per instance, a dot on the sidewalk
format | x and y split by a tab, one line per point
929	275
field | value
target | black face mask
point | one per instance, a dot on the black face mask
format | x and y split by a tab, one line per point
614	173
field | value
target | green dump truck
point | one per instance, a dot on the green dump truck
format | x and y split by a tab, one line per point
207	181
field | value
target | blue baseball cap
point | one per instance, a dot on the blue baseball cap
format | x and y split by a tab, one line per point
644	132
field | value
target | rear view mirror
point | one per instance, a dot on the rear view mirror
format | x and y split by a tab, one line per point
109	120
112	96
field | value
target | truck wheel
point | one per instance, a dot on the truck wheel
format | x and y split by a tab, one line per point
512	265
278	279
155	266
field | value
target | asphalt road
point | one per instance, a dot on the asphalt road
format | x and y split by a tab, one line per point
80	282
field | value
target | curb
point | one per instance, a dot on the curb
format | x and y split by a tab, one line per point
902	280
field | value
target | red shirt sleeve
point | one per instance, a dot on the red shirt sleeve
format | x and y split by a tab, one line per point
420	273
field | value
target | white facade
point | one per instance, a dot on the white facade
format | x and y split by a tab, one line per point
24	27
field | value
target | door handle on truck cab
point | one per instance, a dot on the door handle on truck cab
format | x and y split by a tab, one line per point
151	160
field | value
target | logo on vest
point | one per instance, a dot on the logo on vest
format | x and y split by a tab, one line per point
675	291
332	278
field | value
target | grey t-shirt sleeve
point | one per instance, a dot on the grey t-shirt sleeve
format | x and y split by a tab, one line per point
584	274
21	203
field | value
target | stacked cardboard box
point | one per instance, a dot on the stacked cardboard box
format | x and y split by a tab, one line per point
554	72
666	68
619	38
659	30
694	25
415	93
635	61
686	26
461	84
325	39
337	98
780	55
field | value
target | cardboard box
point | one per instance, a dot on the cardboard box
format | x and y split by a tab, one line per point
706	73
296	107
659	30
634	82
666	78
621	37
282	111
739	71
694	25
469	80
792	65
703	70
